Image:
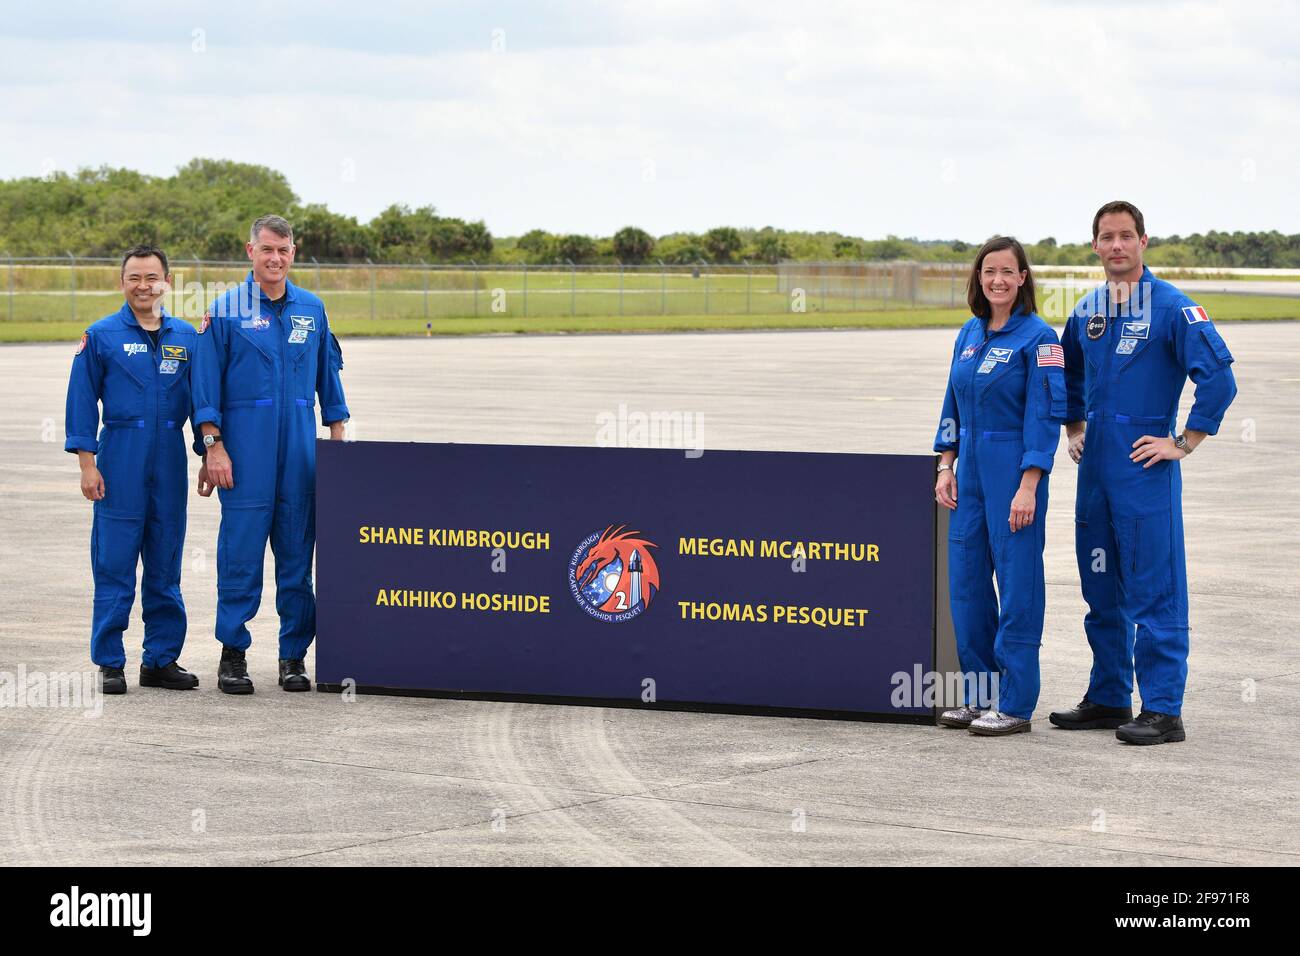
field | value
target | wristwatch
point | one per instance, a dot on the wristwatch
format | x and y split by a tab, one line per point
944	468
210	440
1180	441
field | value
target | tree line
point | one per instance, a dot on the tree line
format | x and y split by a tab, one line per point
203	210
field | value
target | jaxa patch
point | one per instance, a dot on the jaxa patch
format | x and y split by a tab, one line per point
169	366
178	352
134	348
1096	326
1195	314
207	320
998	355
986	366
304	322
1135	330
1126	346
81	346
969	352
298	336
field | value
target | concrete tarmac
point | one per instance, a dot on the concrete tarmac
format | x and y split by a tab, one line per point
202	778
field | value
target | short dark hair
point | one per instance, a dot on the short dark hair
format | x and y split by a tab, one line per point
144	251
1119	205
277	224
1026	301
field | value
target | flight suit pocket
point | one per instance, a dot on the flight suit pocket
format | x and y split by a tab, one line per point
1218	348
1146	555
1051	403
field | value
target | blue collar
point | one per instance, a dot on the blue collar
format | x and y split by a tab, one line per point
290	290
1017	317
128	318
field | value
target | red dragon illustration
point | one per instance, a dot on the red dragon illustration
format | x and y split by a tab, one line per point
616	543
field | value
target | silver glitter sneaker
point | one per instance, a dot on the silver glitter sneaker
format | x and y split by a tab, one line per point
960	717
997	724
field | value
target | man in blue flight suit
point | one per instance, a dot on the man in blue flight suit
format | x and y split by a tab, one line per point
265	353
136	362
1130	346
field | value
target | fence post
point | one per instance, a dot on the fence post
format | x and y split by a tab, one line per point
72	279
473	278
11	285
952	287
620	288
316	263
749	282
372	289
425	272
825	271
663	287
573	287
853	285
704	272
203	293
525	290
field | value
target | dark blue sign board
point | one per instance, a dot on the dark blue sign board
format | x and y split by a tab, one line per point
735	581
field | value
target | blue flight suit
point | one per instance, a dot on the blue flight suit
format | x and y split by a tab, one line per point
1126	365
1002	413
260	366
140	453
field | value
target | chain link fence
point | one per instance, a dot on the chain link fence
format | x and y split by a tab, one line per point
81	290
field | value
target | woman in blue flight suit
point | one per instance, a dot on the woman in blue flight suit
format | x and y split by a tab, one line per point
1001	422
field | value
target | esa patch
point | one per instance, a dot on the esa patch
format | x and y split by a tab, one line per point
134	348
1096	326
1195	314
1126	346
169	366
998	355
305	322
178	352
298	336
986	366
1136	330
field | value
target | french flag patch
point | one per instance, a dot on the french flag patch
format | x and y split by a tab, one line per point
1051	355
1195	314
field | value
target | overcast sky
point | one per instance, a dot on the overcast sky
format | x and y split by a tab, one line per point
938	120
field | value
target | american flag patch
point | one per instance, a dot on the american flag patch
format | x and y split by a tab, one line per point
1051	355
1195	314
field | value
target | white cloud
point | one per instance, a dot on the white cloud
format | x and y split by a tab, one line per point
925	118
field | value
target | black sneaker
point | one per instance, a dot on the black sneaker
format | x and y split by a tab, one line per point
1152	728
293	675
1090	716
114	680
232	673
172	677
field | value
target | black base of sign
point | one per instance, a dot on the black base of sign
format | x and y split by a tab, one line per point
627	704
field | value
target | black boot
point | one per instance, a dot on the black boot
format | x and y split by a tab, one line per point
172	677
1090	716
232	673
114	680
293	675
1152	728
